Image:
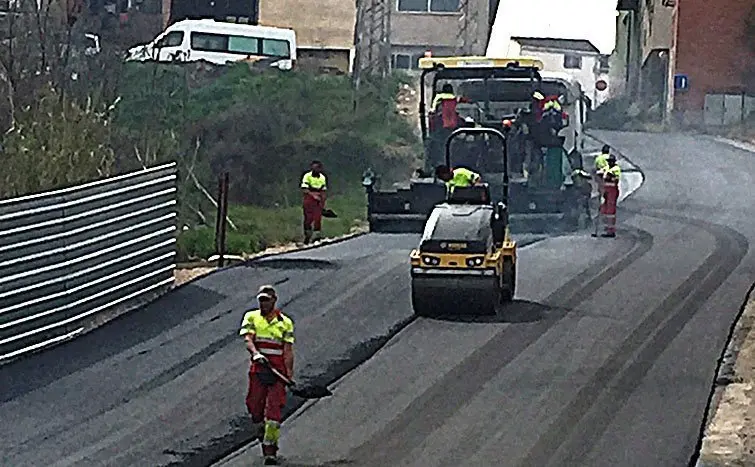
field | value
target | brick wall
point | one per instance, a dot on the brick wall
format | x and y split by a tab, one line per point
712	50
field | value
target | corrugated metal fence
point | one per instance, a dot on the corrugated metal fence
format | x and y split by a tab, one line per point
69	254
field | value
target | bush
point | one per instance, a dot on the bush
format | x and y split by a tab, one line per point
55	142
264	128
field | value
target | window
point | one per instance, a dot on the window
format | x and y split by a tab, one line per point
603	64
402	61
573	62
276	48
432	6
405	61
243	45
206	42
172	39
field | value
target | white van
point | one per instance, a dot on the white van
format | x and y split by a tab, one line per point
219	42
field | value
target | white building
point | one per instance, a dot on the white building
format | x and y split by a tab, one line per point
577	57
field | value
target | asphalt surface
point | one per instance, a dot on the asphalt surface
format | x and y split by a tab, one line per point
607	357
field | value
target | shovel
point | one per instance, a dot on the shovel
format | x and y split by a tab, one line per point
308	392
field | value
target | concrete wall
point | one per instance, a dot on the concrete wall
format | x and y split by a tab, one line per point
619	57
318	24
712	52
657	26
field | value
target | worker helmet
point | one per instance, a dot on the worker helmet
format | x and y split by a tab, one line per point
611	157
606	149
538	95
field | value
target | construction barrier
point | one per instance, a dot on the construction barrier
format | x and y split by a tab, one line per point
68	255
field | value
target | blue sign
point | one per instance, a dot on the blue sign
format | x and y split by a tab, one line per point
681	82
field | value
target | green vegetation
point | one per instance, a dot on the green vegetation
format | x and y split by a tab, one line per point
262	128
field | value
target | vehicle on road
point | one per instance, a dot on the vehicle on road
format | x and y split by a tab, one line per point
466	256
221	43
498	94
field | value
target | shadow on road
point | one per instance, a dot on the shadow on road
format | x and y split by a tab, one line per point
518	311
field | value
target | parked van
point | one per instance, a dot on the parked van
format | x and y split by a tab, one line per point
219	42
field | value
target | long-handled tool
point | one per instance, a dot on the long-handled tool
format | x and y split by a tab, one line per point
306	392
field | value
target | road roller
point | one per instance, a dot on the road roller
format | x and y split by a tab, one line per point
466	258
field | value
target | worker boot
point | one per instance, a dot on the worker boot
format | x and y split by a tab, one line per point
307	236
271	460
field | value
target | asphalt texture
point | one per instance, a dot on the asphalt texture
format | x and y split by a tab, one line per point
606	357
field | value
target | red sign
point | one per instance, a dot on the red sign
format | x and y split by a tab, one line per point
601	85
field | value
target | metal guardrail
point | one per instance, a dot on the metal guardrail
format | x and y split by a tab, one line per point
69	254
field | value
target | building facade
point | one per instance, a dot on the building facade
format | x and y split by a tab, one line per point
715	53
576	57
686	61
324	30
442	27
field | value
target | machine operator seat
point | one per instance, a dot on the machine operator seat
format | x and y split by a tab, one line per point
476	194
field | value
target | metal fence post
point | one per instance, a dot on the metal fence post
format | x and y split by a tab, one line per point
220	223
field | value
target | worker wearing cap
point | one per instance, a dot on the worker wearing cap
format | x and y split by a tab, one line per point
269	336
457	177
314	188
601	161
611	177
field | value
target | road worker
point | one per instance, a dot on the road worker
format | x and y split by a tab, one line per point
269	336
601	164
601	161
314	191
611	177
460	177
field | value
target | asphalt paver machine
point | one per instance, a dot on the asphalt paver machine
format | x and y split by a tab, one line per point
496	94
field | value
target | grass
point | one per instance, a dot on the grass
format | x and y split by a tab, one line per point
260	228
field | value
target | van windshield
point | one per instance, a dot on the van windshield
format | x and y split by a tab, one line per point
242	45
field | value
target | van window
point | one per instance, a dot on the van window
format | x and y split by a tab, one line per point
245	45
172	39
276	48
206	42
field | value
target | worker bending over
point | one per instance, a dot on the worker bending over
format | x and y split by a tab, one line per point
611	177
314	191
269	336
457	177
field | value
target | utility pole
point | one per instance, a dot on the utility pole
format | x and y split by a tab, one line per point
372	41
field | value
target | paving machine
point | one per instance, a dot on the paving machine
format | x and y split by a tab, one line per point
466	258
497	94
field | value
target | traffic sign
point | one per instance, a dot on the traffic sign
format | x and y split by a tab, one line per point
601	85
681	82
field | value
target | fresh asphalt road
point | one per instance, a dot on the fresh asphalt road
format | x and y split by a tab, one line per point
606	358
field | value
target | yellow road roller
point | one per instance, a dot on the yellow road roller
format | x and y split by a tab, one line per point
466	259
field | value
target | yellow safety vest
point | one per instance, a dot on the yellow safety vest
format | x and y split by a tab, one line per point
440	97
552	105
601	162
615	171
462	177
278	331
311	182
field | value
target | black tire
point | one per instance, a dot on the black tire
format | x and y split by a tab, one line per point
508	281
